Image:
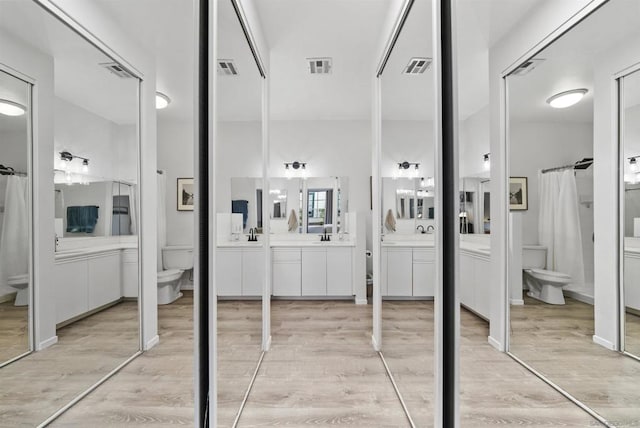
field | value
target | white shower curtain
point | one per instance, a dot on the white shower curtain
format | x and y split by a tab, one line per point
559	223
14	242
162	217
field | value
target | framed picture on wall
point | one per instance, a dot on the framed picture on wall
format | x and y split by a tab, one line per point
518	194
185	194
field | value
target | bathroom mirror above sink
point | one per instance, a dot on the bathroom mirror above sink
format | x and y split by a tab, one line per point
475	205
407	205
246	199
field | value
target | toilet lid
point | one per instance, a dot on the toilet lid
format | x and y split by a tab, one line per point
170	272
18	279
551	273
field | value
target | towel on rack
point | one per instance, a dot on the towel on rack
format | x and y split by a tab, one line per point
241	207
293	221
390	221
82	219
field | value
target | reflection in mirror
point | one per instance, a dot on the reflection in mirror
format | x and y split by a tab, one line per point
240	253
89	323
15	217
563	323
475	206
407	277
630	131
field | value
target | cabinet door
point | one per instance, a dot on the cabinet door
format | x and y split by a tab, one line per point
252	272
314	272
400	272
424	272
229	272
286	279
632	281
72	289
339	274
384	263
105	280
482	287
467	274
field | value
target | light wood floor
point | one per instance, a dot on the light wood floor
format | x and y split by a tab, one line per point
495	390
320	371
38	385
14	330
557	341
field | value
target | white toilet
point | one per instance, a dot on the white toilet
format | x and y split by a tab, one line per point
175	260
544	285
21	284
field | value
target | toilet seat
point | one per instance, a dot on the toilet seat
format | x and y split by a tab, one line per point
549	275
169	275
18	280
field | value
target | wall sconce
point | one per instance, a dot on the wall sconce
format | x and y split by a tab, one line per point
633	163
486	161
404	166
292	167
68	157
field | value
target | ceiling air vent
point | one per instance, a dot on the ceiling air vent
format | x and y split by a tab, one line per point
320	65
528	66
417	66
117	69
226	67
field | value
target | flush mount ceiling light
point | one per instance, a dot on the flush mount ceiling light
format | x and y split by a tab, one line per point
9	108
567	98
162	101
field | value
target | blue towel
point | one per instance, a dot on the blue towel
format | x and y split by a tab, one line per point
241	207
82	219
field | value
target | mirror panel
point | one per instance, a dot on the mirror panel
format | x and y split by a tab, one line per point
240	251
89	313
630	94
15	218
563	318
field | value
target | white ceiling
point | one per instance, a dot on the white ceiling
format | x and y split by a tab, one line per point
76	69
569	64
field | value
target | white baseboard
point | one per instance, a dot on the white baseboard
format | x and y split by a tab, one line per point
581	297
517	302
603	342
496	344
374	342
186	287
153	342
49	342
361	301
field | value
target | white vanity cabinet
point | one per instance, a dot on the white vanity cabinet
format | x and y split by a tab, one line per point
631	282
475	282
313	272
86	282
239	272
407	272
287	272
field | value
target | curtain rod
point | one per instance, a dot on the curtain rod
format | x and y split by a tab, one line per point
11	172
560	168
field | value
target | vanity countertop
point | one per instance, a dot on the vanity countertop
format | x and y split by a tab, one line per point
79	252
413	243
306	244
240	244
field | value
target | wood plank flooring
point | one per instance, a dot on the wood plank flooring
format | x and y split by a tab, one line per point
495	390
557	341
14	330
632	333
321	371
38	385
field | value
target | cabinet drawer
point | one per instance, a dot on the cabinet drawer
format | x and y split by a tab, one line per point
287	255
423	255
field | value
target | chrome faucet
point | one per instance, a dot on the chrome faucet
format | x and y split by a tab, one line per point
430	229
420	228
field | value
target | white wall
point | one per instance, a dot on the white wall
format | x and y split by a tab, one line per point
175	157
543	22
535	146
474	143
407	140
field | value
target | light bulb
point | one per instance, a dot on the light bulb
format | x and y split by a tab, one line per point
85	166
633	165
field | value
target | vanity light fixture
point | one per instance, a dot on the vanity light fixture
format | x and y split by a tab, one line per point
10	108
162	101
404	166
487	161
68	157
292	167
567	98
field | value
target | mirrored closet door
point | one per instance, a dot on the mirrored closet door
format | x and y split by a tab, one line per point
407	247
15	218
86	302
630	209
240	196
563	295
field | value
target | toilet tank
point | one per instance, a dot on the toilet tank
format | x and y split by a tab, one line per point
534	257
177	257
